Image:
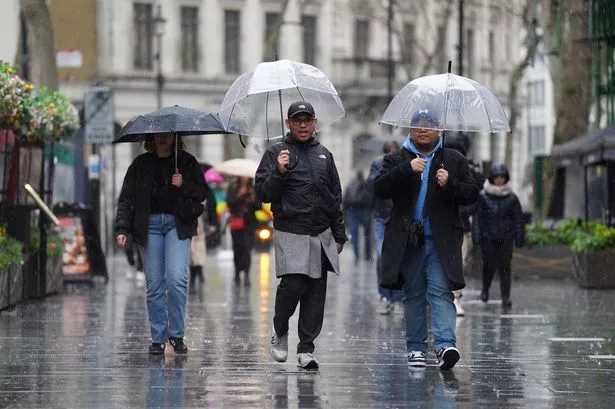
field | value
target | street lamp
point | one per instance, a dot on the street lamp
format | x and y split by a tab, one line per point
159	26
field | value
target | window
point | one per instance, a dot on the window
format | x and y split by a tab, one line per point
469	68
361	39
536	139
272	37
536	93
231	41
491	48
309	39
409	41
142	36
190	38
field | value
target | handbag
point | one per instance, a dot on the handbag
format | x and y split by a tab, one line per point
236	223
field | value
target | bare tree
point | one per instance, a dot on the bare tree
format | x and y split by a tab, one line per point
41	53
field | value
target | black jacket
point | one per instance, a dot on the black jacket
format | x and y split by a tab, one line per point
381	208
134	203
498	218
397	181
466	211
307	199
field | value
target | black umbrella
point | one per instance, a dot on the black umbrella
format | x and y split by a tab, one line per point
178	120
376	144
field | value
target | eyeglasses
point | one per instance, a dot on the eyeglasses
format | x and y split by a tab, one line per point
299	121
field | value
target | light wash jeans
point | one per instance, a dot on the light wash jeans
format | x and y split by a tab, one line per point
165	260
425	281
391	295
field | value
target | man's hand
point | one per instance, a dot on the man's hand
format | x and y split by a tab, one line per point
121	240
442	177
283	160
177	180
340	247
418	165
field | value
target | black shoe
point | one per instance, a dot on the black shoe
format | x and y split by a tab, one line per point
237	279
506	303
156	349
484	296
178	345
247	282
447	358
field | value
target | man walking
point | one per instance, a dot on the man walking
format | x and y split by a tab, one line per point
422	243
300	180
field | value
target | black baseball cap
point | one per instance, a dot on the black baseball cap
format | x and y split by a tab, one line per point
300	107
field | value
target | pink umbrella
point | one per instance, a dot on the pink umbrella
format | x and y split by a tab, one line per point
213	176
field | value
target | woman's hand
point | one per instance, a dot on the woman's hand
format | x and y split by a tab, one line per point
121	240
177	180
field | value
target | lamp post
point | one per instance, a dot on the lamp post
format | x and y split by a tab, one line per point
159	23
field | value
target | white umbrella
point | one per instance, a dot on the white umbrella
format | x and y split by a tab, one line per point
256	102
238	167
459	103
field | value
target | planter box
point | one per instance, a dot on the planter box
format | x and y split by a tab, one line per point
4	288
15	285
537	262
54	277
595	269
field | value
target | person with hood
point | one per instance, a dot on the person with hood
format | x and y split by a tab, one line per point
160	202
497	224
381	211
421	252
299	178
465	212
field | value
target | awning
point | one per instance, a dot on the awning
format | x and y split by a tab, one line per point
593	147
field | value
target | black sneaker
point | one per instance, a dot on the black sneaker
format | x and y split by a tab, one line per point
506	303
484	296
156	349
178	345
447	358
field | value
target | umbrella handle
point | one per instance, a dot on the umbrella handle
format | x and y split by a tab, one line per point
241	141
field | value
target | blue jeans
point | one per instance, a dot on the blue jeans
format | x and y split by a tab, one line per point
165	259
425	281
356	219
391	295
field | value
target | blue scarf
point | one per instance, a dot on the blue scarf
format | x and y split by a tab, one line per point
420	200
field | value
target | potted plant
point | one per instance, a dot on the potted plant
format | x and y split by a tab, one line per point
11	259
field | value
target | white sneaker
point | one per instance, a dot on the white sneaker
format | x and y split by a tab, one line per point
307	361
279	347
385	307
416	359
460	311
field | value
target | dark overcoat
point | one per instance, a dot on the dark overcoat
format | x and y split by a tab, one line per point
398	182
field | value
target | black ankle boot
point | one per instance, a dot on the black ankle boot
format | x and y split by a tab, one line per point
484	296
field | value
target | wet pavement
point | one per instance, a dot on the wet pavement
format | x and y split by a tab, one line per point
88	349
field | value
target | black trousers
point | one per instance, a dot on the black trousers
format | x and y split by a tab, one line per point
243	242
497	256
505	279
310	293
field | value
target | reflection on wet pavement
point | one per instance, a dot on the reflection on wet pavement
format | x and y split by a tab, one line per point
88	349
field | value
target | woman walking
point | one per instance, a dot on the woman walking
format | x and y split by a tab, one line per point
498	222
158	207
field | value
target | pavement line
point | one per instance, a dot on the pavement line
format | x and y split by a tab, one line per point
605	357
577	339
522	316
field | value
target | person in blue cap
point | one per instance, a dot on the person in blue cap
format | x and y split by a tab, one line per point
422	240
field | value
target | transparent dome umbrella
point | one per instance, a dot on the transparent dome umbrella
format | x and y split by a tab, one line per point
238	167
459	103
178	120
255	103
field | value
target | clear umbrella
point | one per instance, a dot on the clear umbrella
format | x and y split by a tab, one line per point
254	105
238	167
459	103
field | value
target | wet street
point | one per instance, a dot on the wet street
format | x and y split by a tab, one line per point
88	349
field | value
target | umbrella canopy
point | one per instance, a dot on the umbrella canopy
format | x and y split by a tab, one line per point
238	167
176	119
459	103
213	176
376	143
256	102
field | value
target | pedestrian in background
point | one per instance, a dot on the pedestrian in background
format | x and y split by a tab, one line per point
242	203
465	212
357	207
422	242
306	200
381	212
158	207
498	223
